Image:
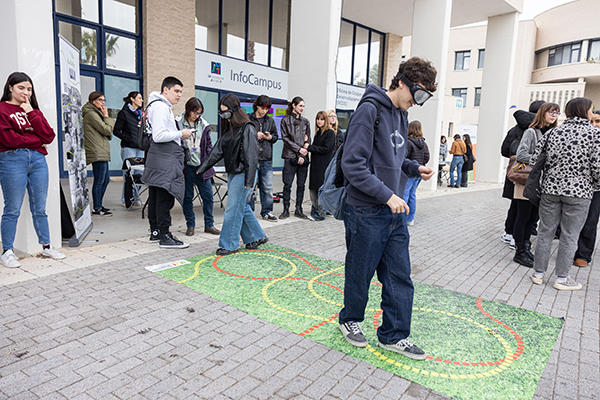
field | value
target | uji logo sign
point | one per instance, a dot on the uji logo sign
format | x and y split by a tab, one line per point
215	68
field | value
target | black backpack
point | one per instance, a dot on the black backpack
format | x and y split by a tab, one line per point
332	194
144	131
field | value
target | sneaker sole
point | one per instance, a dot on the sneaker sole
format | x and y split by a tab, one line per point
418	357
11	266
560	287
353	342
174	246
537	281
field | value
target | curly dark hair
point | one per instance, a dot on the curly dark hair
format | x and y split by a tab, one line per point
417	70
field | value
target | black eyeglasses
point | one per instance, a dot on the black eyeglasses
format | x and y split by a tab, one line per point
419	94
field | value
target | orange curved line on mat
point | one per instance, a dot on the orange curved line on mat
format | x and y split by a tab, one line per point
515	355
320	324
270	278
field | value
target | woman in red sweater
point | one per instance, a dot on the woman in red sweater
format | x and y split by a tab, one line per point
24	135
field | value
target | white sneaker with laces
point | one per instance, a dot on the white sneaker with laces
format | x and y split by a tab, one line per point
566	284
512	245
10	260
53	253
506	237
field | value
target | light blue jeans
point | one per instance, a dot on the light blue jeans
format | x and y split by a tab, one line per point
238	218
19	170
457	162
410	196
265	186
129	152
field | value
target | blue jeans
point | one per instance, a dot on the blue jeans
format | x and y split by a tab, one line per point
265	186
206	193
19	170
129	152
101	180
238	218
410	196
377	240
457	162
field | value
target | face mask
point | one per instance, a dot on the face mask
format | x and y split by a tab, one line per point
419	94
228	114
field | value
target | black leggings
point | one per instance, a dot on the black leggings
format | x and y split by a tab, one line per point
527	214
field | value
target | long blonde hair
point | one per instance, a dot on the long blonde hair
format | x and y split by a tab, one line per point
334	126
322	115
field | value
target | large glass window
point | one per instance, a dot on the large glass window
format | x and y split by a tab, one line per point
360	55
280	36
121	14
481	58
594	50
461	92
121	53
258	32
84	9
462	60
207	25
234	28
477	102
564	54
84	39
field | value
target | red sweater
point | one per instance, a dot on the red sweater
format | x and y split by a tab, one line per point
21	130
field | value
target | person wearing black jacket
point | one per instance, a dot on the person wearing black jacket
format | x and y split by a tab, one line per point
508	149
267	136
238	146
321	149
469	161
126	129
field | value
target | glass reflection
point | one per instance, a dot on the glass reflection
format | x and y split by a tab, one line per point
82	38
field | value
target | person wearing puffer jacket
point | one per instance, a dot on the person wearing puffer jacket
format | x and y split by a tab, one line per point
97	131
416	149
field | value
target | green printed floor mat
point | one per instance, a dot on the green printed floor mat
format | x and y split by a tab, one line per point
477	349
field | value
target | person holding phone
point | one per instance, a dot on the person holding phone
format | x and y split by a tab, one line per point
200	146
24	136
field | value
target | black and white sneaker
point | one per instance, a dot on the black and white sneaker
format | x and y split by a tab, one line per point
102	213
354	334
255	244
168	241
154	237
406	348
269	217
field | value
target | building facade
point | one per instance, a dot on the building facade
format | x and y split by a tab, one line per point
325	51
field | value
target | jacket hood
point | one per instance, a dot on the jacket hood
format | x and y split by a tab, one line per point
419	142
88	108
379	94
158	96
523	118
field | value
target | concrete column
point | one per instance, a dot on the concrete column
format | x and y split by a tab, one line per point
500	47
312	68
393	57
430	35
34	55
169	44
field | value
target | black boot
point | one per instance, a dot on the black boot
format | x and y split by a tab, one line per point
521	256
527	244
300	214
286	212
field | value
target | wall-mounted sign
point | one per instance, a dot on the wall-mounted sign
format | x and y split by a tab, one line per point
348	96
224	73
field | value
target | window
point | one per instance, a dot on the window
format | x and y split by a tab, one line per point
461	92
360	55
477	97
564	54
462	61
594	50
481	58
251	30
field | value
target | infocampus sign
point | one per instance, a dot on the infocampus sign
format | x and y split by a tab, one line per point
228	74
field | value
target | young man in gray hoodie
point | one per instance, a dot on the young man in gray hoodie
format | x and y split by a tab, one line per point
163	172
375	214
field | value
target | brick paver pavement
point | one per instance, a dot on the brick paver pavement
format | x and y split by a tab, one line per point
112	330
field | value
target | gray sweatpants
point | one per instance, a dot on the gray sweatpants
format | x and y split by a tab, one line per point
571	213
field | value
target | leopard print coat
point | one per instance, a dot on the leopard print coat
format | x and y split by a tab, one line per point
572	166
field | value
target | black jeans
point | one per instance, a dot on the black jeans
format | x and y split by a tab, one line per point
289	171
511	217
527	214
160	203
587	237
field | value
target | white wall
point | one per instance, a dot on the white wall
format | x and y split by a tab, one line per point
28	45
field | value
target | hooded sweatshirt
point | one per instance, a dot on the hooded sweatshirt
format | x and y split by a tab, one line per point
375	170
162	121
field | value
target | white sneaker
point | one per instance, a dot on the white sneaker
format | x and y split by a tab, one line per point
53	253
410	223
506	237
537	278
567	284
10	260
512	245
